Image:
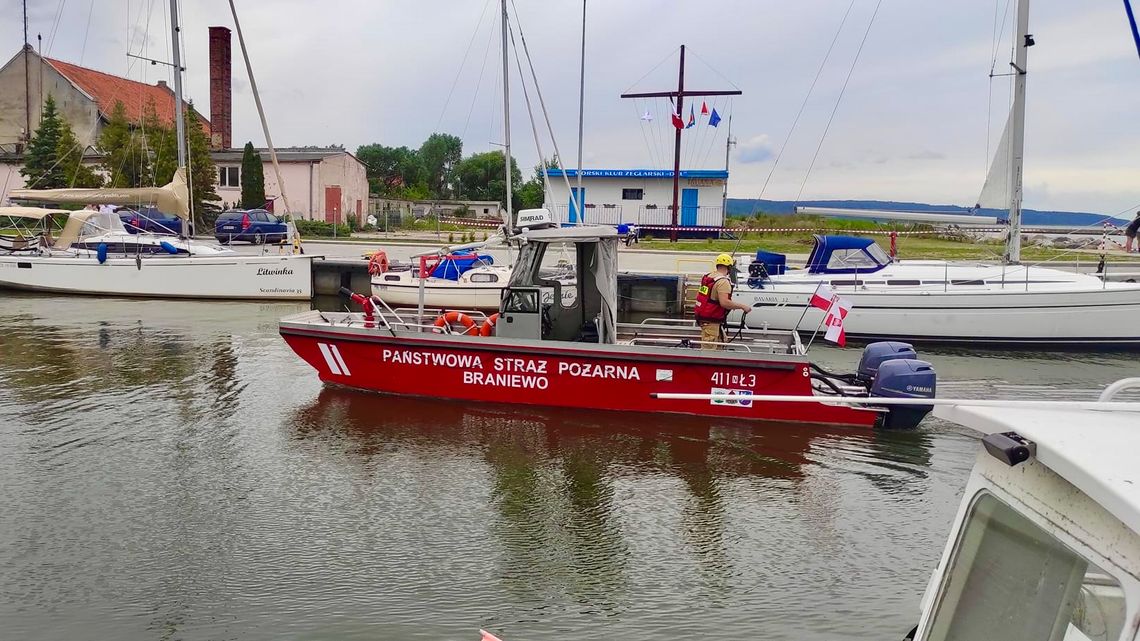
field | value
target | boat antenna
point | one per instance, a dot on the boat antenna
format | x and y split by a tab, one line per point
578	199
509	216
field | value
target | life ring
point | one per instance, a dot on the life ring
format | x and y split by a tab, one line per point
378	264
488	326
447	319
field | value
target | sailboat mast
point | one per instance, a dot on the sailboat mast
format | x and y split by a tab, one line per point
27	82
506	116
179	118
1021	45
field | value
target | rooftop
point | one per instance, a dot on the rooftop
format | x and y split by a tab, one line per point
284	154
1092	449
106	89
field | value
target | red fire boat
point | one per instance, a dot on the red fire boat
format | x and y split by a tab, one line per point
572	352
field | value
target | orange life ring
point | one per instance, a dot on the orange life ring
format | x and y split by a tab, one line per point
378	264
488	326
446	319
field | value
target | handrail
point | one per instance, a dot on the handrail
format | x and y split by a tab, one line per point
1111	391
671	341
685	322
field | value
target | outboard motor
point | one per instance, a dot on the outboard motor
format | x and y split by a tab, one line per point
904	378
876	354
764	265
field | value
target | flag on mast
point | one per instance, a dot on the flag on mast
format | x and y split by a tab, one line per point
704	108
714	119
677	122
692	118
834	321
648	117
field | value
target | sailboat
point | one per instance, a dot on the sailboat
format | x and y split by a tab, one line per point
94	254
944	301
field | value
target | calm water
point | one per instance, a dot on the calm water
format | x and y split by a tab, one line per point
171	471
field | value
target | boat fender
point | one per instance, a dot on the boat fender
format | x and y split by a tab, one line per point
875	354
168	248
101	253
378	264
447	319
904	379
488	326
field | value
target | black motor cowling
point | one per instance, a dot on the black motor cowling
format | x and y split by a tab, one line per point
875	354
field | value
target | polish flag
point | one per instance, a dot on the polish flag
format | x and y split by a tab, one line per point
704	109
822	297
487	636
834	321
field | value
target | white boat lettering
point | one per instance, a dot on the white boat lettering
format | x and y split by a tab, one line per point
590	370
521	381
274	271
527	365
412	357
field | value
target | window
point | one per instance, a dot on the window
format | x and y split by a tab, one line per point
632	194
229	177
904	282
484	278
850	259
1011	579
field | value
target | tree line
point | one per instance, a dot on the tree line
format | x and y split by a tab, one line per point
438	171
132	154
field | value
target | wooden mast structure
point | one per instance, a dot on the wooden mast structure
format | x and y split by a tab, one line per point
679	94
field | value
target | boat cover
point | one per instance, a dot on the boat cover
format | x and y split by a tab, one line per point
451	267
864	256
173	198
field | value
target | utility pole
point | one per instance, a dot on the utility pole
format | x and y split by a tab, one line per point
729	143
679	117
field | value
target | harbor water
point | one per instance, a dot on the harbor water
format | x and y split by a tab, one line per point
170	470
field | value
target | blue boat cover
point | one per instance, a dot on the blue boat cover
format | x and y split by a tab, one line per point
451	268
864	261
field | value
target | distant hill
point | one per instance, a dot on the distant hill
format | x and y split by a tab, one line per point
745	206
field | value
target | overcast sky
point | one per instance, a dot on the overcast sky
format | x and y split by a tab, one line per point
912	124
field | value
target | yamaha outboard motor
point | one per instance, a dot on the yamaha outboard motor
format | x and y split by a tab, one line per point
876	354
904	378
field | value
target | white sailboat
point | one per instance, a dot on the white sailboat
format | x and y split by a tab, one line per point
943	301
94	254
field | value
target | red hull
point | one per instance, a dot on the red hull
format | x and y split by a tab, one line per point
561	375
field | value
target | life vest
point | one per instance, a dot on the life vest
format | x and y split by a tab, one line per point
707	309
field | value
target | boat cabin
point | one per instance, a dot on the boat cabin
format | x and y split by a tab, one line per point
586	258
846	255
1046	543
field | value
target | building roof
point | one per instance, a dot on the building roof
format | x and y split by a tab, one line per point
637	173
106	90
284	154
1092	449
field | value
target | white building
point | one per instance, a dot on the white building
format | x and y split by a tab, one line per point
320	184
640	196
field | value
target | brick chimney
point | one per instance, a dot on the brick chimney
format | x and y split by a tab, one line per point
221	100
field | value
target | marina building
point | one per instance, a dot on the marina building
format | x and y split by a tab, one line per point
639	196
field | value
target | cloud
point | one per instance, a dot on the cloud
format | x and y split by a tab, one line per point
927	154
756	149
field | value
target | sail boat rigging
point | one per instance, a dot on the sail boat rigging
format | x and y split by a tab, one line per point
942	301
94	254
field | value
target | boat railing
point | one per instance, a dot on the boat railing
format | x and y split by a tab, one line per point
688	343
683	322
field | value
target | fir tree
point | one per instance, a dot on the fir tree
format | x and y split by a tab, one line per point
204	174
42	168
252	179
126	160
70	154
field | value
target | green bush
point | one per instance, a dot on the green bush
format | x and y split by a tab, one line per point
321	228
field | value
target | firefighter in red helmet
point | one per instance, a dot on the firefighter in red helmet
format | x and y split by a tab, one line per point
714	302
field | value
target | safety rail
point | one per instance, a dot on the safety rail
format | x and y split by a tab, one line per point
691	342
669	321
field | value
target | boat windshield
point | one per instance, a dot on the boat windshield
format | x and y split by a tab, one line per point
102	223
1011	579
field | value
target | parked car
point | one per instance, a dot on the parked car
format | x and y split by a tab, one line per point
252	225
150	220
